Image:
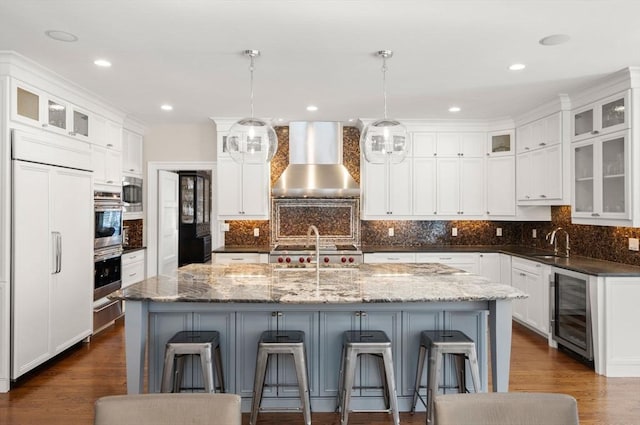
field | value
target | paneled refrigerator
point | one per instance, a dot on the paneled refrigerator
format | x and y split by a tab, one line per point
52	247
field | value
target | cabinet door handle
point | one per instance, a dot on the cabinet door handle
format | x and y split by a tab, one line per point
45	124
132	274
110	181
131	169
595	215
526	148
595	132
109	145
133	257
72	133
543	196
542	144
444	258
488	212
488	154
357	314
363	314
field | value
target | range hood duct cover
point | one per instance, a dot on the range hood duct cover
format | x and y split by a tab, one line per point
315	167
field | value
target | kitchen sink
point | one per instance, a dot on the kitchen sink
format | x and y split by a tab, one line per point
547	256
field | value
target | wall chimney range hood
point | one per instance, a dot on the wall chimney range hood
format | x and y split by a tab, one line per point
315	167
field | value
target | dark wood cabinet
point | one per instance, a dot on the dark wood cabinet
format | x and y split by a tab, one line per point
195	217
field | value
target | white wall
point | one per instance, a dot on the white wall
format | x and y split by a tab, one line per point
180	142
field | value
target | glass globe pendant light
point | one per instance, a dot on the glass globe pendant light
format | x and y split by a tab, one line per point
252	140
385	139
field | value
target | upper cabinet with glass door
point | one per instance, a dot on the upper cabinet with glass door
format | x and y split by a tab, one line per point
500	143
602	117
35	107
601	188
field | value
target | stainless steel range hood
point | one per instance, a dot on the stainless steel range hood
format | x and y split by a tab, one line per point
315	167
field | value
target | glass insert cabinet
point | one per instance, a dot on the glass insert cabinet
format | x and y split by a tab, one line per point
601	180
606	116
195	217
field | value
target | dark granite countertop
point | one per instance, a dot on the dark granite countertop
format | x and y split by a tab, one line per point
128	249
576	263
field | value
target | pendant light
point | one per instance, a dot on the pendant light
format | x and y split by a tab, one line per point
385	139
252	140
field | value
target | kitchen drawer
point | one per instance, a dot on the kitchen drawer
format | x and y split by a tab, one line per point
467	261
390	257
239	257
532	267
132	257
132	272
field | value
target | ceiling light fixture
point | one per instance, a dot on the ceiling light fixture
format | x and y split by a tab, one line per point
517	67
384	140
103	63
166	107
312	108
61	36
454	109
554	40
252	140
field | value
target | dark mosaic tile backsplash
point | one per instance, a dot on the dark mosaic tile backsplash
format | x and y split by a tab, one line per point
135	228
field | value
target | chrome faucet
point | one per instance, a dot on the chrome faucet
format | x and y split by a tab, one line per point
553	240
315	230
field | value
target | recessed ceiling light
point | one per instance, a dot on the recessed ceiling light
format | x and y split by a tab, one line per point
517	67
312	108
352	119
102	63
166	107
61	36
554	40
454	109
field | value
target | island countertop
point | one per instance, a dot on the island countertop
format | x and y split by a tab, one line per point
271	283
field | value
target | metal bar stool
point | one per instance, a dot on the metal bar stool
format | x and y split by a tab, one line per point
375	343
281	342
439	343
206	345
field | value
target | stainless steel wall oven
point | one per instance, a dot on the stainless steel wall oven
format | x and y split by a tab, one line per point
107	271
570	310
108	219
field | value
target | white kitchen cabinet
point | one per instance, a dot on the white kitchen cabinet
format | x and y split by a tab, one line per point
239	257
107	168
387	191
489	266
540	176
460	144
601	190
605	116
539	134
424	187
132	148
467	261
500	143
389	257
424	144
460	186
501	186
52	262
531	278
242	190
133	269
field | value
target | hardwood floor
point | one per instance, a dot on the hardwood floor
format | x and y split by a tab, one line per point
63	392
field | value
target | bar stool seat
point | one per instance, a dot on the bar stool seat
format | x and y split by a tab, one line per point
437	344
281	342
374	343
206	345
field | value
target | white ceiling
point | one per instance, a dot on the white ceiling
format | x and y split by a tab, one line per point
455	52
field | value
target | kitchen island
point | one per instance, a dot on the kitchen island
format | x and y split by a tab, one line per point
242	300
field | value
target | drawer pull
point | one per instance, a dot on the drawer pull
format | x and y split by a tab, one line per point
132	274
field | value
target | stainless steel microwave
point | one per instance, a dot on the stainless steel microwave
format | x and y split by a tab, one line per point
132	194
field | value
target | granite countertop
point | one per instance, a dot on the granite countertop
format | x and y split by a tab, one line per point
132	248
271	283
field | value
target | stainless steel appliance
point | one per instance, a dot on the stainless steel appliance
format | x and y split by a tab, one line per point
107	279
302	254
131	194
108	219
107	271
570	311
